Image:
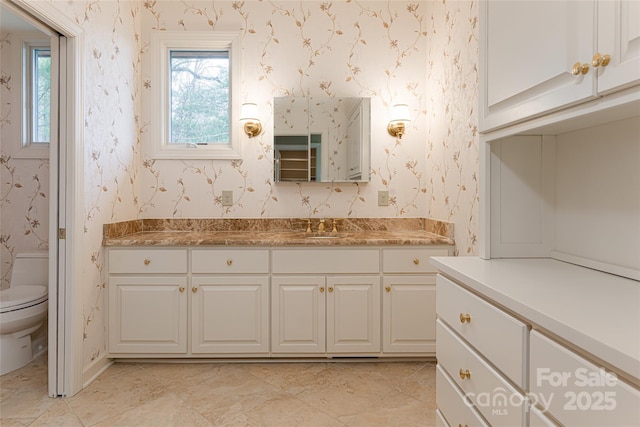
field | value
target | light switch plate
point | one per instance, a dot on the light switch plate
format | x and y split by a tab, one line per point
227	198
383	198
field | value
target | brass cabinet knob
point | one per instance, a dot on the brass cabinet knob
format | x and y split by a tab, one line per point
460	425
330	288
579	68
194	290
465	374
388	288
599	60
321	289
147	261
465	317
416	261
229	262
181	289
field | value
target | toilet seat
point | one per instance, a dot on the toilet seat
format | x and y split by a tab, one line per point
22	297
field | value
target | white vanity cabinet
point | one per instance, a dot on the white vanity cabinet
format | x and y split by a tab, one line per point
537	57
281	301
148	301
337	312
409	300
230	301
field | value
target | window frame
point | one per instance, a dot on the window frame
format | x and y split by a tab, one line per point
28	149
163	42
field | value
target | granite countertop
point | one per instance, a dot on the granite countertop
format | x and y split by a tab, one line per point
240	232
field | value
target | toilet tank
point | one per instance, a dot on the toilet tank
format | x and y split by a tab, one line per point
30	269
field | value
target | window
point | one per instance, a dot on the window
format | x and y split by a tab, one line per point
39	95
33	69
199	90
195	97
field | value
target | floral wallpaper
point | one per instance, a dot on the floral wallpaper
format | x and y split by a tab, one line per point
24	182
373	49
452	142
422	53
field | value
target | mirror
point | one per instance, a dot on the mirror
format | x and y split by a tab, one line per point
322	139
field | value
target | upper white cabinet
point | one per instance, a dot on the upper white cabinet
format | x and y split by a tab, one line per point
618	37
537	57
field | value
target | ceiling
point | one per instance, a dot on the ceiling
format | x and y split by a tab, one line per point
10	22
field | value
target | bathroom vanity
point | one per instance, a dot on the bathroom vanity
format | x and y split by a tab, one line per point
234	289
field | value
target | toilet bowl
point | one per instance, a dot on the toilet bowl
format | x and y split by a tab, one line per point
23	309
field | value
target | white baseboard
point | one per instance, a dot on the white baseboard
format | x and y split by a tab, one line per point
93	371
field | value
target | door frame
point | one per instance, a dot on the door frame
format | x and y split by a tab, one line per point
65	205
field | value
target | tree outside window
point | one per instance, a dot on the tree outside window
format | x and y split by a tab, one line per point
199	97
40	95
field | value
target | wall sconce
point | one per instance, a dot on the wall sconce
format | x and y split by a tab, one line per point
249	116
399	116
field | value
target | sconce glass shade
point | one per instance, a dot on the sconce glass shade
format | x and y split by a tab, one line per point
249	116
399	116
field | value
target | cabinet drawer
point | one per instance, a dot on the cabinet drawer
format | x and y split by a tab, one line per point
147	261
495	334
326	261
455	408
497	400
577	392
411	260
226	261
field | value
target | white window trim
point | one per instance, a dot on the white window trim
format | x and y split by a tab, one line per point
23	148
162	42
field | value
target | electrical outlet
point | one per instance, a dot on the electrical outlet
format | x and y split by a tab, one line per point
227	198
383	198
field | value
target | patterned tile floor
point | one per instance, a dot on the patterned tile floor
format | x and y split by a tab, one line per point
219	394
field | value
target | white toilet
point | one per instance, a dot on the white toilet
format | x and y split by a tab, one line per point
23	309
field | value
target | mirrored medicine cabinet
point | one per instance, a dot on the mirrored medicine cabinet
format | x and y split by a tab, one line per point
322	139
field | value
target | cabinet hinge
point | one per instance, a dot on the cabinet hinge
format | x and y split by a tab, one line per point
62	233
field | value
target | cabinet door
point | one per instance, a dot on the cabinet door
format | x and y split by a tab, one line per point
619	37
528	49
353	314
409	314
298	314
230	314
147	314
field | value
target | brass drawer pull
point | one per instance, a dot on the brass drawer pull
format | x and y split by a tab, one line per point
330	289
416	261
465	318
465	374
147	261
181	289
194	289
388	288
321	289
229	262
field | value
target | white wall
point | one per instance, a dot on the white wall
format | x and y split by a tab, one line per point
598	193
